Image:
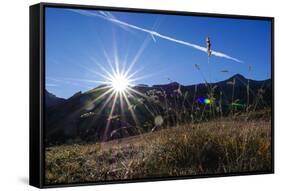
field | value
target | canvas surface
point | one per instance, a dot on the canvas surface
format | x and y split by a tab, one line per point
131	96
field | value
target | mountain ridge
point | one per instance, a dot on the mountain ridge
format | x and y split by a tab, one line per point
52	100
237	76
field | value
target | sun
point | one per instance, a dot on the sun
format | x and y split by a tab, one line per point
119	83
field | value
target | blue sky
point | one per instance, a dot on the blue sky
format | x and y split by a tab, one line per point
75	46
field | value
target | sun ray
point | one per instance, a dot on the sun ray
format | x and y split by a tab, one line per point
124	63
85	80
103	94
101	88
104	70
115	55
130	76
109	118
130	109
121	104
137	92
106	102
109	62
152	114
139	53
144	76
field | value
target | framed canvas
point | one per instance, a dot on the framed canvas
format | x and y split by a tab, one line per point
127	95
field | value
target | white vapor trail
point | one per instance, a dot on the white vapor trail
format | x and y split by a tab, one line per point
111	18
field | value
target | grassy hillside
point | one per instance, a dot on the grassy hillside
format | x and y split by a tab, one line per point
83	117
218	146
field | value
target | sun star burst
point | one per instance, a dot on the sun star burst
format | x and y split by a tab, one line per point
120	83
117	80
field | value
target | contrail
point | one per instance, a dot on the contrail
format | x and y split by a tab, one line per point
111	18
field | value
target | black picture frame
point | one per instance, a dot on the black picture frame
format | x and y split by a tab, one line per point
37	95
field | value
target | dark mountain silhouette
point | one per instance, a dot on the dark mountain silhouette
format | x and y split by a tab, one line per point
170	85
84	117
52	100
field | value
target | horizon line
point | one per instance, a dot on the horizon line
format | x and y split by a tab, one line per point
152	85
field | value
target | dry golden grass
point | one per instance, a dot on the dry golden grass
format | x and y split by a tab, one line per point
220	146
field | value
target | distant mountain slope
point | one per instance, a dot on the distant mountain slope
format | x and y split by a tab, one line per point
84	117
52	100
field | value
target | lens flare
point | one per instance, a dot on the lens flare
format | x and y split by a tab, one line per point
238	105
205	101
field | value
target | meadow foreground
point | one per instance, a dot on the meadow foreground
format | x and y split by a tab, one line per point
219	146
